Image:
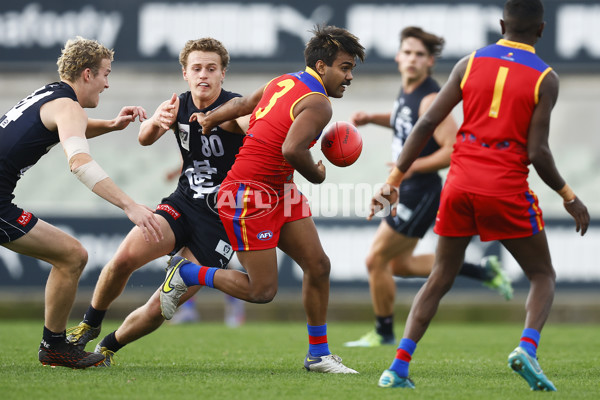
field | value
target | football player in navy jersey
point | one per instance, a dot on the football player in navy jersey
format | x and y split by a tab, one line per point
190	225
52	114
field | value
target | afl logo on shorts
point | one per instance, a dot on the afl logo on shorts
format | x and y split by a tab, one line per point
265	235
24	218
246	200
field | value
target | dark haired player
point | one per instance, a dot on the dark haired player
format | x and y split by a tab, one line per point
508	94
288	114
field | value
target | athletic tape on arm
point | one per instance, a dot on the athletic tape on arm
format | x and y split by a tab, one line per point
90	173
75	145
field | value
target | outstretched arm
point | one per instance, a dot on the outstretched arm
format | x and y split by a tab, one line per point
162	120
233	109
70	120
128	114
360	118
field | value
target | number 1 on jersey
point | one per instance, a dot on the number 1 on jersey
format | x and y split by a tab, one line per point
498	89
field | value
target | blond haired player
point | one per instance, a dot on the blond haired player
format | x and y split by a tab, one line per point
52	114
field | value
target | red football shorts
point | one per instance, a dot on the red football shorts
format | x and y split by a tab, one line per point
253	215
492	218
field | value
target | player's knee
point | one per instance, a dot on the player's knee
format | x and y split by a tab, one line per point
370	263
551	275
322	266
375	263
75	259
546	274
124	261
264	295
152	309
441	283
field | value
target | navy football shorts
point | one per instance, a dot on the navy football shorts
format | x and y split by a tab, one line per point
197	227
417	209
14	222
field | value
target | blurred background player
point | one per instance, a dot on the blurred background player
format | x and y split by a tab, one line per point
391	252
508	94
189	224
52	114
288	115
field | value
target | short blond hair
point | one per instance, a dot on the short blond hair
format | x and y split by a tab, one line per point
209	45
79	54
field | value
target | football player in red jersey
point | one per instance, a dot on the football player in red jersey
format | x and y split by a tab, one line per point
259	204
392	250
508	94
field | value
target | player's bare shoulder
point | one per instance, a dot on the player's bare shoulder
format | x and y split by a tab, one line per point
315	102
60	109
549	86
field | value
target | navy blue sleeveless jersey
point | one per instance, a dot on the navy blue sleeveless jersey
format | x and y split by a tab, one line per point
404	117
206	158
23	137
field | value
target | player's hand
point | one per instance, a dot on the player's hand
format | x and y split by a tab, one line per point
166	114
360	118
127	115
385	199
203	120
146	220
580	214
321	172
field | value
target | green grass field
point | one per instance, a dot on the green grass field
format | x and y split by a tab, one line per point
264	361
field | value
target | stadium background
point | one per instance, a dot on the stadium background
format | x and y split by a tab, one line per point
266	39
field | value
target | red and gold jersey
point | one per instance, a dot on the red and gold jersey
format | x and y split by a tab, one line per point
500	91
260	159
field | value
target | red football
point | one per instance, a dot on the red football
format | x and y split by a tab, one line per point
341	144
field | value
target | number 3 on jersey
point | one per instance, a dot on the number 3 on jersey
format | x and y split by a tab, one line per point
286	85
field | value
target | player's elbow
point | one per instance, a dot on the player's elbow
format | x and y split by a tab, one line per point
144	140
149	133
290	153
539	155
78	160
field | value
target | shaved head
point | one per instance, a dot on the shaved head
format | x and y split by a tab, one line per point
523	17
